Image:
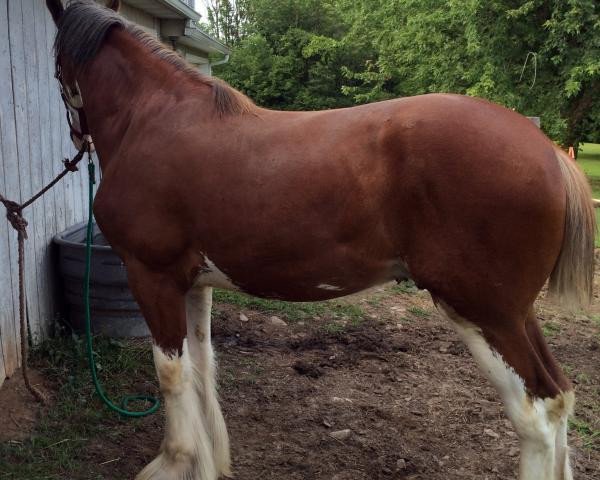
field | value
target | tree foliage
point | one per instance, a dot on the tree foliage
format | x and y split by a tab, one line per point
539	57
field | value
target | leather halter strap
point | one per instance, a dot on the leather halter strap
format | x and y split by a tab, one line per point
73	101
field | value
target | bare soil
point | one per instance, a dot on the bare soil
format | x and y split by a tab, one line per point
19	411
400	381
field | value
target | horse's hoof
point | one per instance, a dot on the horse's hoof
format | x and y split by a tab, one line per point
225	472
179	467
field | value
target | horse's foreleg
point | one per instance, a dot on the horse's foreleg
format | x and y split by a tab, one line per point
186	450
537	397
198	306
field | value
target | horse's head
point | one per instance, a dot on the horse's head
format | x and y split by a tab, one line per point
66	74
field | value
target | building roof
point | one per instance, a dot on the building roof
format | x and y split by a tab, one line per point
171	9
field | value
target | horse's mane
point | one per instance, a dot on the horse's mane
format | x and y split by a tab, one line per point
84	25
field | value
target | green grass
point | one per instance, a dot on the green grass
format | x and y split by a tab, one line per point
419	312
589	436
60	443
406	286
550	329
292	311
589	160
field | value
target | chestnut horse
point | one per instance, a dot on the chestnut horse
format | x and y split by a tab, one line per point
201	189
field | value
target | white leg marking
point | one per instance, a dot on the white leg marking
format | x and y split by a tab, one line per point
186	452
198	305
535	420
211	276
326	286
562	465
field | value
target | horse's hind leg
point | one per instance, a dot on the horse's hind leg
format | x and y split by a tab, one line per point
536	337
536	395
186	451
198	304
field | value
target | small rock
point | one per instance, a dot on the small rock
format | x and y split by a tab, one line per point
243	318
327	423
490	433
401	464
341	434
340	400
513	452
278	322
396	308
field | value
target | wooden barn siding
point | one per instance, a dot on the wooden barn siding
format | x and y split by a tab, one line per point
33	140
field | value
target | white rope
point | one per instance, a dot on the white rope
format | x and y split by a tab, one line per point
534	56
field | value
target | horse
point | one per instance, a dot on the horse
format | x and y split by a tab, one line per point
201	188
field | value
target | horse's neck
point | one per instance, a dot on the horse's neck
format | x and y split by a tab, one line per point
123	83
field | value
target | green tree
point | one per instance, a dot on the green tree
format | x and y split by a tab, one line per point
291	55
479	48
539	57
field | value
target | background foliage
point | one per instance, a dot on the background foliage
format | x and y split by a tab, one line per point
539	57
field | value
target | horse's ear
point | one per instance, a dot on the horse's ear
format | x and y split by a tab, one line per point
56	9
114	5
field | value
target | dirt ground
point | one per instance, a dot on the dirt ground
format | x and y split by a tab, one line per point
399	380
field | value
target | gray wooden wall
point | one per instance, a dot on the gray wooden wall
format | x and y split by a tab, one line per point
33	139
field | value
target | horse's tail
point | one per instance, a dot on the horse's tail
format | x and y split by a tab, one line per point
573	275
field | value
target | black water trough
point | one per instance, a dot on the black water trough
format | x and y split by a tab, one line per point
114	311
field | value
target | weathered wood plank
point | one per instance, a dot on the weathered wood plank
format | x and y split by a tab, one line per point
53	163
46	160
6	148
17	36
57	117
11	189
36	292
67	147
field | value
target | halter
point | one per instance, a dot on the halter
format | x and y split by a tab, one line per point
73	101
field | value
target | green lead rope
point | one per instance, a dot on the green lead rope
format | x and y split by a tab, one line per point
123	409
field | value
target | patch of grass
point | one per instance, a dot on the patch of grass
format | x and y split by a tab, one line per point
333	328
60	440
250	371
374	301
590	436
406	286
589	160
589	152
550	329
583	378
419	312
292	311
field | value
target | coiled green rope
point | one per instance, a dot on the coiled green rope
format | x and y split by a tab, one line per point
123	409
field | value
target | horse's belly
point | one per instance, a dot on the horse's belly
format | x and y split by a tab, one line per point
308	280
